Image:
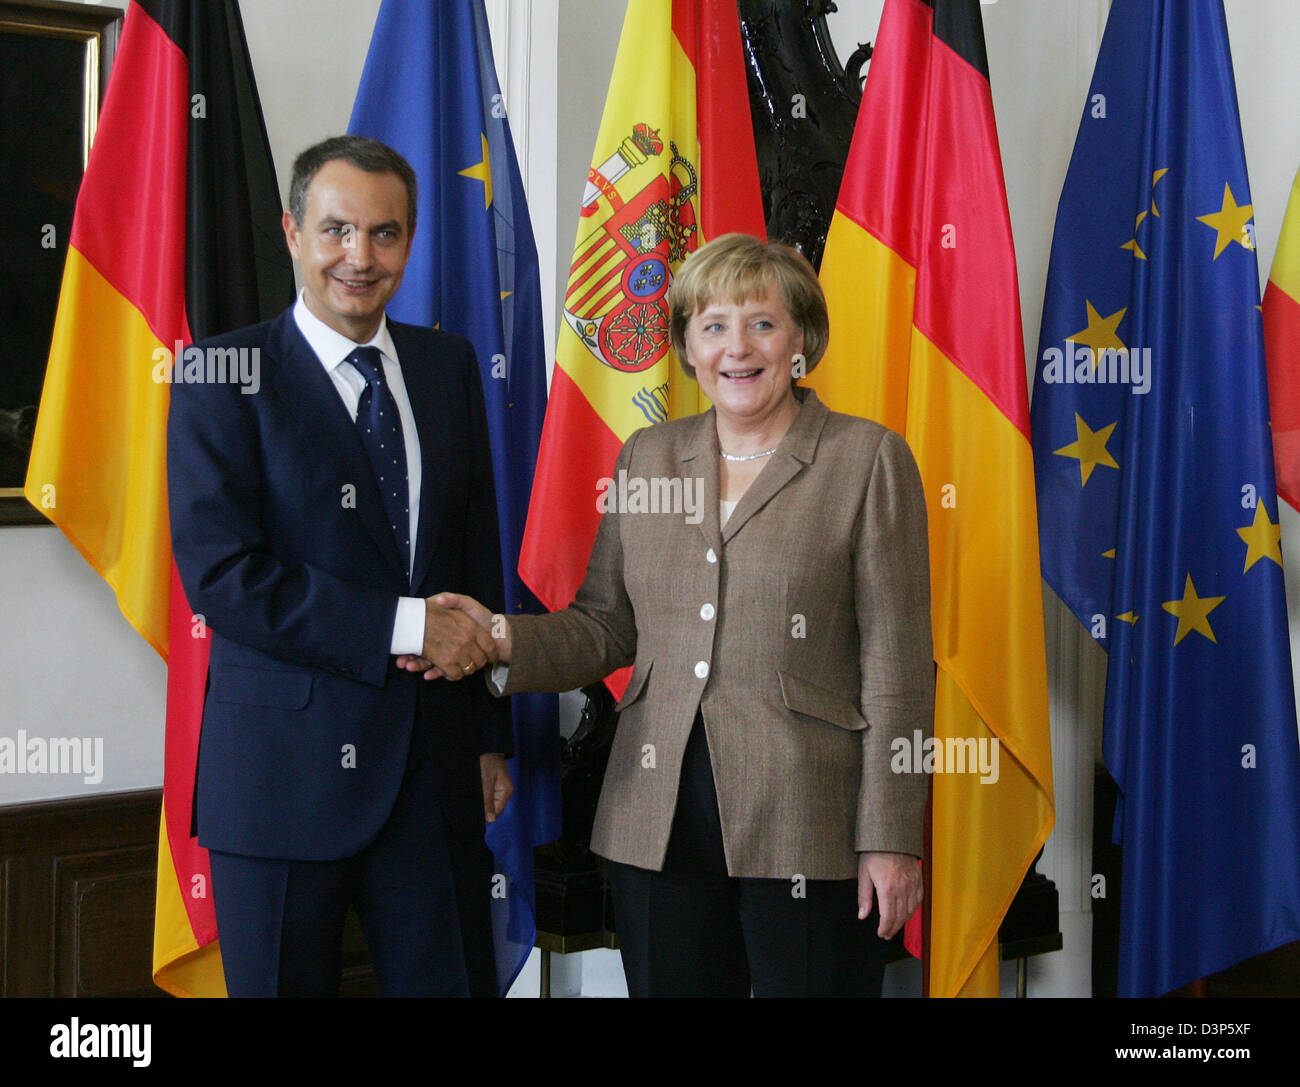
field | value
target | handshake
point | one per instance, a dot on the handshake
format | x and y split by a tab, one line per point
460	637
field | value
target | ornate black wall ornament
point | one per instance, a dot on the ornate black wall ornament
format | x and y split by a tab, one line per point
804	105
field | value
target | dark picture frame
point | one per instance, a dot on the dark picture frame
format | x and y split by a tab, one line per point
54	64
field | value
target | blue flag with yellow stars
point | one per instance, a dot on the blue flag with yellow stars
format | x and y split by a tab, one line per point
429	89
1156	497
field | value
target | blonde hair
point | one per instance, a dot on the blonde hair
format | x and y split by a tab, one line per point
736	268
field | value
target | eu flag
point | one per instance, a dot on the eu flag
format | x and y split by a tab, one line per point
429	90
1156	497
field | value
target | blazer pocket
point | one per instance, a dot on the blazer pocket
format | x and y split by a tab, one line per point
261	687
807	698
636	685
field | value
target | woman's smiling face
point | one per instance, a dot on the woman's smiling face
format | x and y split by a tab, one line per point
744	354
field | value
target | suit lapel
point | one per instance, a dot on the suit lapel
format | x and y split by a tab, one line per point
700	460
797	448
300	381
428	395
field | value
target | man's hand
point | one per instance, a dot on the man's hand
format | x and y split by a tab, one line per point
465	608
896	879
497	786
454	644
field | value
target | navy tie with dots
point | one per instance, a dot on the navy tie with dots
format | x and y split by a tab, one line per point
380	428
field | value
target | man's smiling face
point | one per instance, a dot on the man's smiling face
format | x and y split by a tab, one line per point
353	244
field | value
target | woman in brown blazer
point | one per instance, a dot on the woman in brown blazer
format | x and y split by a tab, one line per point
779	629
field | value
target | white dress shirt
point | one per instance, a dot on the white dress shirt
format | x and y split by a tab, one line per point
332	349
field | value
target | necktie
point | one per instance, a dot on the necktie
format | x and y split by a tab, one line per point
380	429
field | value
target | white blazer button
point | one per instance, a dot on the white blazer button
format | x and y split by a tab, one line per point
710	555
701	669
706	612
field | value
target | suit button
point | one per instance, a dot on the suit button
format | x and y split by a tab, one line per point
701	669
707	612
710	555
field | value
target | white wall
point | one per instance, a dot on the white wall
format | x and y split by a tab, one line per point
71	666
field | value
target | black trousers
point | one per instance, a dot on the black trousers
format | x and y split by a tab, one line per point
693	930
420	890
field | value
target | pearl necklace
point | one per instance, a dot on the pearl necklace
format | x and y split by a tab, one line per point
751	456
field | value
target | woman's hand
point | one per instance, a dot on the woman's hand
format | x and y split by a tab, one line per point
496	625
894	879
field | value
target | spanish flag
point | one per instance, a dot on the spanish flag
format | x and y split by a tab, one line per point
175	237
920	278
1282	348
674	166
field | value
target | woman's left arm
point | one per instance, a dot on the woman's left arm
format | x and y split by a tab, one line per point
892	599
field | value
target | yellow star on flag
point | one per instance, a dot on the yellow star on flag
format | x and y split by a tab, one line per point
482	171
1193	612
1100	333
1263	539
1132	243
1154	178
1128	617
1230	223
1089	448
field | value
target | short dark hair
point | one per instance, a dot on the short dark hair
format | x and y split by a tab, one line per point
363	153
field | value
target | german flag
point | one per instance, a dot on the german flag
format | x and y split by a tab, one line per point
175	237
1282	348
920	278
674	165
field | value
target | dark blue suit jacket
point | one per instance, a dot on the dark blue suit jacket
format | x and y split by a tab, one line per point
284	548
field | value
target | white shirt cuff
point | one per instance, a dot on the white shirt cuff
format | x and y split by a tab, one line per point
497	678
408	626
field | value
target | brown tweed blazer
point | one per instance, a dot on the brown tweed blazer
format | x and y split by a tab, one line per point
802	630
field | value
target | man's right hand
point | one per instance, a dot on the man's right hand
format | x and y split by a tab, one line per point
494	625
455	644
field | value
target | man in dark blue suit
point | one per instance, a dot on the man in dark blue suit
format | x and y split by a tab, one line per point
314	512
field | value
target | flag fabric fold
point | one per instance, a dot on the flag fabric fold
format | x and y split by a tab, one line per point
1157	498
175	237
1282	350
920	278
429	90
674	165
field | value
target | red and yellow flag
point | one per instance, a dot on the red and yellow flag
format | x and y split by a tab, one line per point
1282	349
173	234
920	278
673	166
